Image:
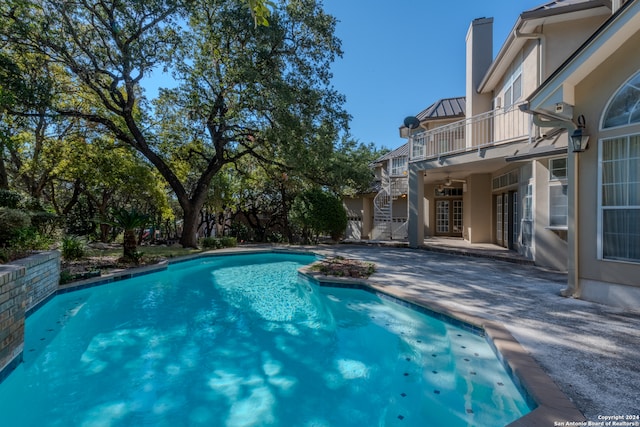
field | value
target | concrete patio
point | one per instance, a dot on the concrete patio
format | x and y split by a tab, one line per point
590	351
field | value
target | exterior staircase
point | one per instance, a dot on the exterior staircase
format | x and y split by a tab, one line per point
385	227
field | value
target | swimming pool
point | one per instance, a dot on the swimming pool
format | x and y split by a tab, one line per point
243	340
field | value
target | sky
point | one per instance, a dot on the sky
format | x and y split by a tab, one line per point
401	56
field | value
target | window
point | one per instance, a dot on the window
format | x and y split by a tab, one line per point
448	191
558	169
398	166
558	201
512	89
624	108
620	198
505	180
417	151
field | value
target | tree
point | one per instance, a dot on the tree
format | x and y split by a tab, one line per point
130	221
318	212
241	90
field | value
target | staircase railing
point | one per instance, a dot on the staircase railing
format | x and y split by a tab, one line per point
382	209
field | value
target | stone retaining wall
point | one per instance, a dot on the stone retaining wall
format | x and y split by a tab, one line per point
23	286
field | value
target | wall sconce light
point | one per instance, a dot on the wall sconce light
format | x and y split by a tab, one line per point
579	138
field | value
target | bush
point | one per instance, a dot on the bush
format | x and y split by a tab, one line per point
229	242
318	212
211	243
28	239
219	243
11	221
9	199
47	223
73	248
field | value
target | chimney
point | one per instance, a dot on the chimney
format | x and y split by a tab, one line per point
479	59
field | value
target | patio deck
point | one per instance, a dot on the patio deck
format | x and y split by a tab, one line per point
454	246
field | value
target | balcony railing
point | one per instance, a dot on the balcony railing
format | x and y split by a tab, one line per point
474	133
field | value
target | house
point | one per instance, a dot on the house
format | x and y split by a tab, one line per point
596	92
382	213
495	176
507	172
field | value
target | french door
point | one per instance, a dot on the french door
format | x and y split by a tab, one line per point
507	221
449	217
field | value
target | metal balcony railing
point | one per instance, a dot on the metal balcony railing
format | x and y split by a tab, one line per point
474	133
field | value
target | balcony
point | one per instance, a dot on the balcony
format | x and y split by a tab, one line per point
494	127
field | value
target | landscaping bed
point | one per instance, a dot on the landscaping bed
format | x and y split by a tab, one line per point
343	267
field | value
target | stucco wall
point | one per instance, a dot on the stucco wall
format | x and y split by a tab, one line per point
476	210
592	96
550	245
566	37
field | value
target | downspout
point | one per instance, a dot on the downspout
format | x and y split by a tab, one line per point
573	282
540	37
541	42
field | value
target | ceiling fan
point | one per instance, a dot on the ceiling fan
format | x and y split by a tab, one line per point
449	181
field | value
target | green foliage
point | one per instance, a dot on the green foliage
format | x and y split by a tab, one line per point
12	221
318	212
348	170
73	248
129	219
28	239
136	257
211	243
218	242
9	199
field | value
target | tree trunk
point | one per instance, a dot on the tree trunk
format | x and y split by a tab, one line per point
191	215
129	245
4	178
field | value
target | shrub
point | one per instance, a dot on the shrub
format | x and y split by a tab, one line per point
318	212
73	248
211	243
219	243
229	242
28	239
11	221
9	199
46	223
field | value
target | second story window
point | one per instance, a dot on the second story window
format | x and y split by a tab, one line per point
512	89
398	166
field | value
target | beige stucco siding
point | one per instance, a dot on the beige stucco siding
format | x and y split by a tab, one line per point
592	95
550	245
565	38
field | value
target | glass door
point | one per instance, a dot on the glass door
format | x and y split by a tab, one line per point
449	217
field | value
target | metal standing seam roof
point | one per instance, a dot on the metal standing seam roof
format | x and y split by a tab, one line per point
402	151
444	109
557	4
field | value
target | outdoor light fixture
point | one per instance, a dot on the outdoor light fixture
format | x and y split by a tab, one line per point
579	138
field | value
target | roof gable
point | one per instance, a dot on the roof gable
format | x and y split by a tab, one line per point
444	109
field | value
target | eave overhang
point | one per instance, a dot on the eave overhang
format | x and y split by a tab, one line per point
614	33
526	25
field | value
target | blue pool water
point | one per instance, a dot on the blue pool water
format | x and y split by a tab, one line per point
244	341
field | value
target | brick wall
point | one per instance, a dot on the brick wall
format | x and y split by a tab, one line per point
23	285
41	278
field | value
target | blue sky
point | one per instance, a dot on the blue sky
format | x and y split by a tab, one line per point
400	56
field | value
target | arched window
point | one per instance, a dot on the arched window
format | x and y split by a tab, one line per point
619	170
624	108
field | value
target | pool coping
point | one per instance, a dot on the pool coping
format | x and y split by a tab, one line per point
553	406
